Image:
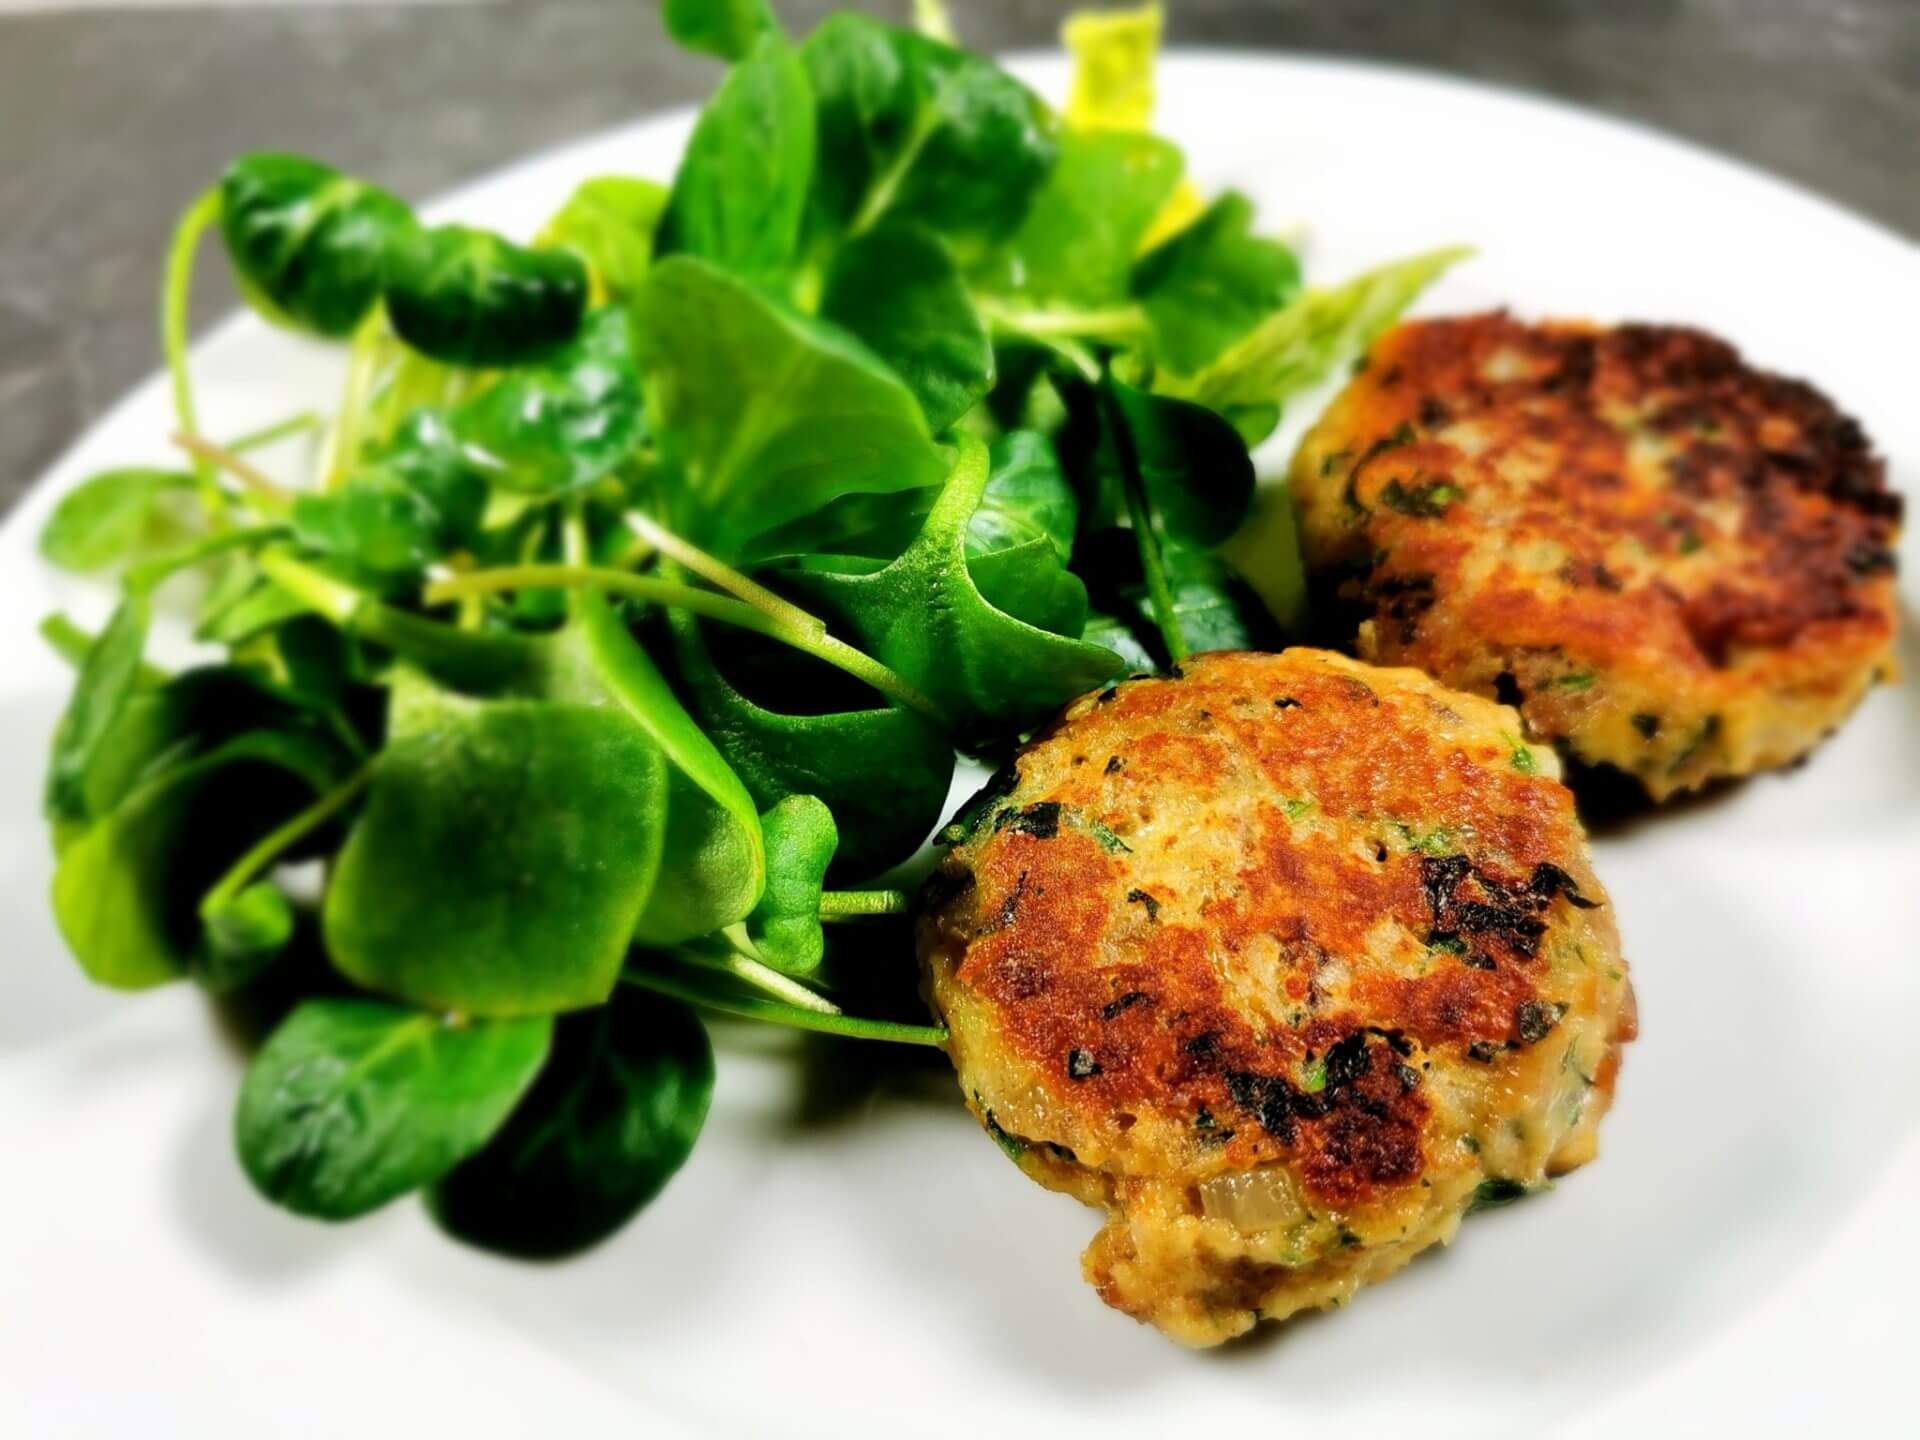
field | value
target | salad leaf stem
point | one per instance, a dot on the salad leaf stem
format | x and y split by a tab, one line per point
363	360
272	434
743	963
67	639
723	608
652	588
575	547
1152	562
151	573
1117	325
464	656
960	496
73	643
199	216
718	573
334	599
863	666
856	904
880	198
265	493
772	1012
270	846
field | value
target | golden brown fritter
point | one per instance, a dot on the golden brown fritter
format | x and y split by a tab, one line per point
1283	961
1676	564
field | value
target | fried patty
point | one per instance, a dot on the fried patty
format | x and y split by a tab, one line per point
1286	962
1676	564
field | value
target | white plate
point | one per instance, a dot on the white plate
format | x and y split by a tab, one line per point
845	1254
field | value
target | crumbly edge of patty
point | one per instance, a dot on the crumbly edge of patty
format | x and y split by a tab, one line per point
1203	1279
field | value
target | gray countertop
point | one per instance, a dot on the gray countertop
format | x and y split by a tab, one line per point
111	121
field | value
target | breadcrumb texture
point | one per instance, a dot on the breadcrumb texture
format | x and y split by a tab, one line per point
1671	562
1285	962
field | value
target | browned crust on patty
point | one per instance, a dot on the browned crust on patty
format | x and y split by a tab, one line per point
1108	971
1630	528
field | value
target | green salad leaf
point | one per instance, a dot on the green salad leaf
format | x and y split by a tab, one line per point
127	889
417	498
562	423
614	1113
244	934
506	853
1298	346
309	245
913	129
763	414
468	297
1028	497
352	1103
1076	246
799	733
108	678
741	192
726	28
784	927
1211	284
381	530
105	519
609	222
715	865
1210	607
924	614
1197	476
897	289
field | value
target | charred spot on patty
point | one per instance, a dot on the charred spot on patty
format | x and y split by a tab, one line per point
1549	880
1081	1065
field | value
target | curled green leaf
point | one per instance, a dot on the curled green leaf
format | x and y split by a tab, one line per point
309	244
468	297
924	615
785	926
244	935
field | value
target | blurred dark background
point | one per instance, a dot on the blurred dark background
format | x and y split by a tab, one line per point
111	120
